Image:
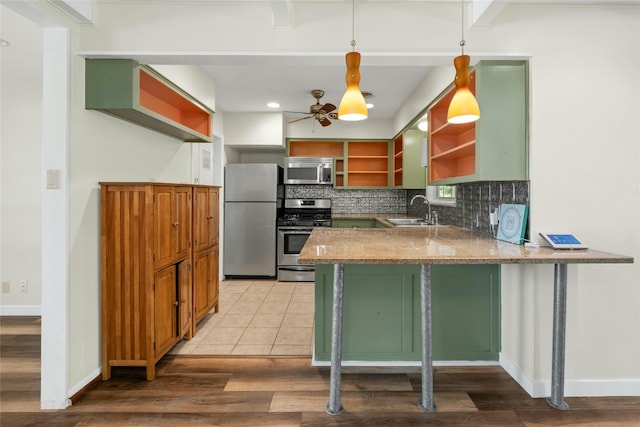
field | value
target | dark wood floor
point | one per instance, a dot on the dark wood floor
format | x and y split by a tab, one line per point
252	391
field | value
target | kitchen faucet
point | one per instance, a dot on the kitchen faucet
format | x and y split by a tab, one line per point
427	217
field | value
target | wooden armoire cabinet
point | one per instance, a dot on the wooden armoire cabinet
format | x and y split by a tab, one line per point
149	289
205	252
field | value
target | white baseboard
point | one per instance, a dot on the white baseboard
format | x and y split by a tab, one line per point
84	382
572	388
400	364
20	310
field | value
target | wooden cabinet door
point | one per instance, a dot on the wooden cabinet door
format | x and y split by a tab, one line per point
214	290
163	225
182	222
172	224
165	310
185	306
202	283
205	217
201	218
213	216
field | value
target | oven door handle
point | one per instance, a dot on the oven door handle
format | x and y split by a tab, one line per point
294	231
301	268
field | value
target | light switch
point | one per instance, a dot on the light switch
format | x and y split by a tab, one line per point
52	179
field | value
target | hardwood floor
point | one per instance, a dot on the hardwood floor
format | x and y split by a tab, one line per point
195	390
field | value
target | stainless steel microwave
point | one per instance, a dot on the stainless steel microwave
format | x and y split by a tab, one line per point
308	170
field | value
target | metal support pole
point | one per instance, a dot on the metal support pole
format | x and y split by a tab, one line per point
559	329
426	404
334	407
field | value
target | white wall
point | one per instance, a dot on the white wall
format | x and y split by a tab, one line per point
21	162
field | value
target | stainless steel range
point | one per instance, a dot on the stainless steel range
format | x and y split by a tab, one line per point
298	219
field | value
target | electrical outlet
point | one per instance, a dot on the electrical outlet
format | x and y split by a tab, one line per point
24	286
5	287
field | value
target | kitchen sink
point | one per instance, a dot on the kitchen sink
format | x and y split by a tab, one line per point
410	222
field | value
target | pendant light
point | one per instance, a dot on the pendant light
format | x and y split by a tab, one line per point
353	106
464	106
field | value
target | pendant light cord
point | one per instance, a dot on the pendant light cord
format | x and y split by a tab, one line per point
462	41
353	25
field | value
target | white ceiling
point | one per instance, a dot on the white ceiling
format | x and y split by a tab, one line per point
246	82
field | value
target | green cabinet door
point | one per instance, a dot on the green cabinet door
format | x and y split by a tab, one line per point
414	175
382	318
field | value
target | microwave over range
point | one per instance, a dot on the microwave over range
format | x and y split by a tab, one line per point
308	170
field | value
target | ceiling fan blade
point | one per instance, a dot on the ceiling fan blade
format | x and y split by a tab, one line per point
324	121
297	112
297	120
327	108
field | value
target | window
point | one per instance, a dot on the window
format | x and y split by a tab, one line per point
442	195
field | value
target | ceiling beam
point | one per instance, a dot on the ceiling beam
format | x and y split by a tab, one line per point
483	11
282	12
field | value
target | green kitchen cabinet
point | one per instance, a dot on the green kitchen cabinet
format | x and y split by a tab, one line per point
382	318
408	171
494	148
138	94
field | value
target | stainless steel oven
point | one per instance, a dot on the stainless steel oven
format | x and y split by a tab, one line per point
290	243
299	218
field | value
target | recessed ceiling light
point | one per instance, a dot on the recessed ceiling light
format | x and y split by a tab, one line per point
370	105
4	42
273	105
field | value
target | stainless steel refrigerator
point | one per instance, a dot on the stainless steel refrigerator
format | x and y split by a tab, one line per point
253	195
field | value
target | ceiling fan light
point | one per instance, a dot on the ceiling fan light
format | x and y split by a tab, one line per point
353	107
464	107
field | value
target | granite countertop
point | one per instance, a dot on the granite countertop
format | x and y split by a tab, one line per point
433	245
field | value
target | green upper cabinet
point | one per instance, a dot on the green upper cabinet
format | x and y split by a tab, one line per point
408	171
495	148
138	94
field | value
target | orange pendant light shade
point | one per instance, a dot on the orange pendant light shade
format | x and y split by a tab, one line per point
464	107
353	106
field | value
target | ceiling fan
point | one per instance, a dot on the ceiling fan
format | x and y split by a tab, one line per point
321	112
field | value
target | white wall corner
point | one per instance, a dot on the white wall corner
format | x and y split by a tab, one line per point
572	388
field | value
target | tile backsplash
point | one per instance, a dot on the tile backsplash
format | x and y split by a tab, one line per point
353	201
474	201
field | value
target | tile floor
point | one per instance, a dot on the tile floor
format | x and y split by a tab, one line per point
257	317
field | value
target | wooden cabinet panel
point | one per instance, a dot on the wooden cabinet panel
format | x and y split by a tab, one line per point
165	303
182	227
146	271
163	220
206	282
172	224
382	315
185	293
205	217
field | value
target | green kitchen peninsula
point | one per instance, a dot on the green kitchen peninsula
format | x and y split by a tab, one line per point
422	248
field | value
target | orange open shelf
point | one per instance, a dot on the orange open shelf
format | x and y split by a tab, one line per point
167	102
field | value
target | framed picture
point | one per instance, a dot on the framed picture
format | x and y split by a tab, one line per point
512	224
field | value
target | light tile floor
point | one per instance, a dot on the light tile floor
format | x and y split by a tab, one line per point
257	317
